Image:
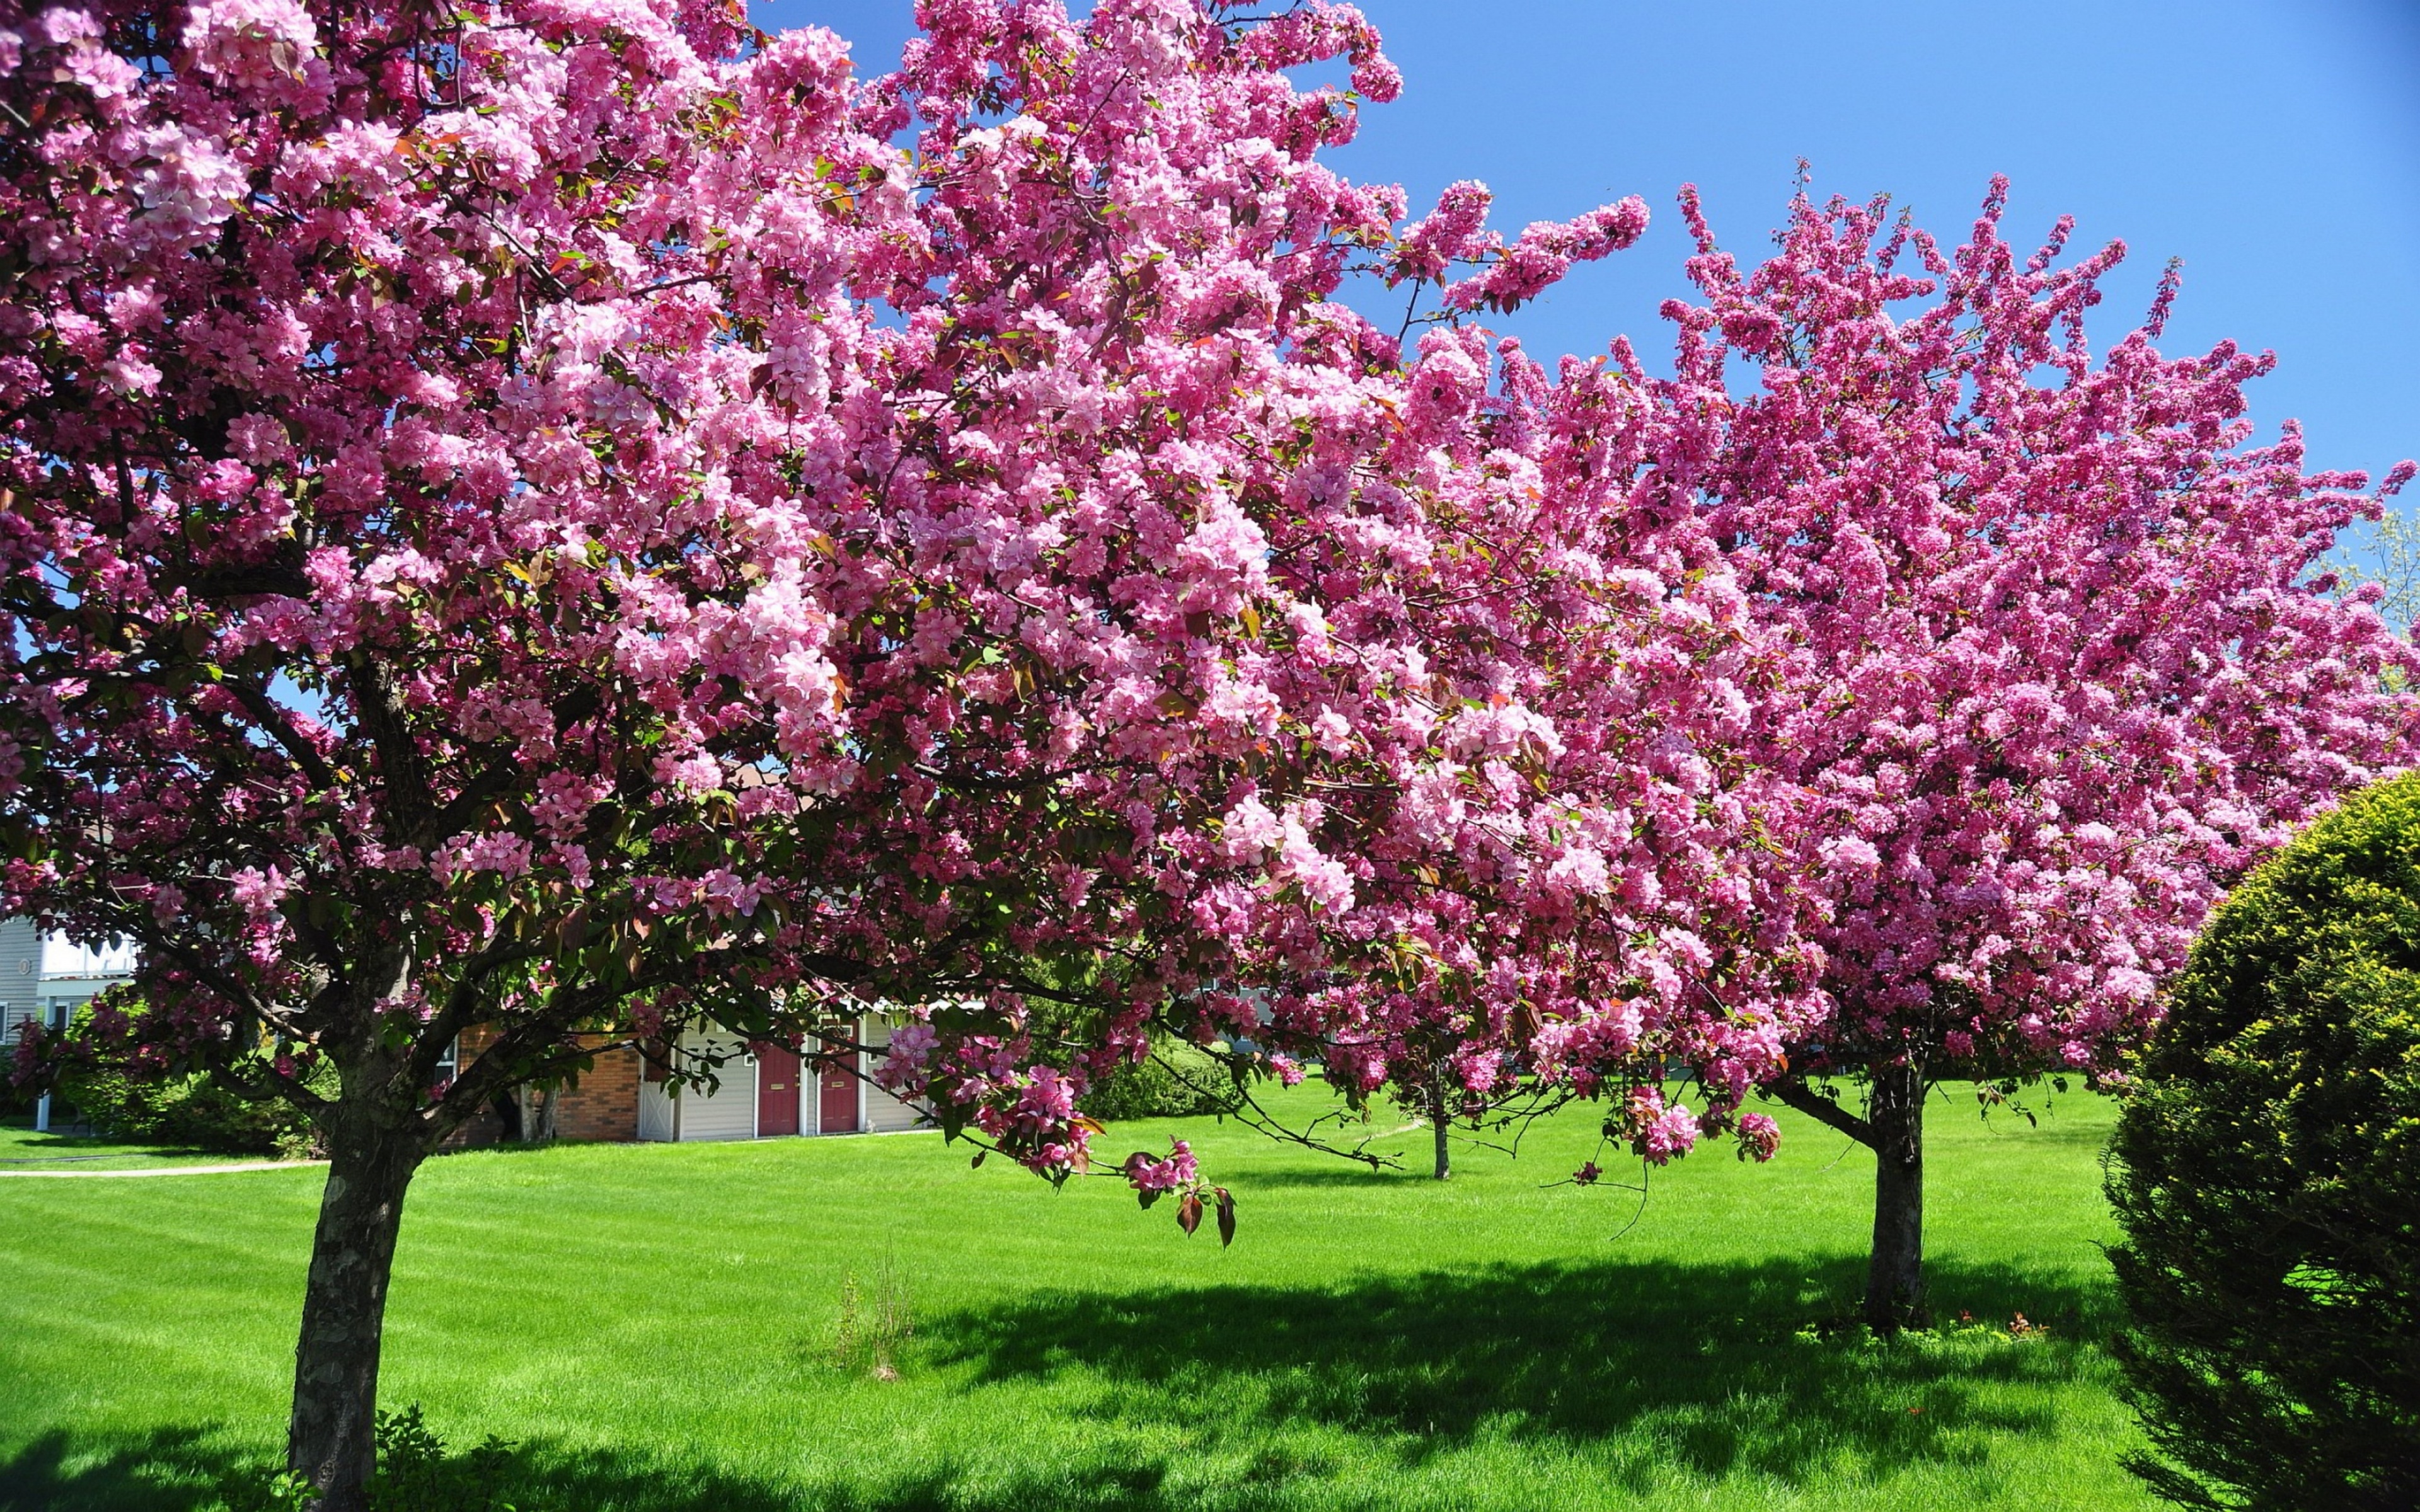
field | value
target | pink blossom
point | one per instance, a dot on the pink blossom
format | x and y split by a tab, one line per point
256	891
1249	830
1670	1133
922	524
1759	1136
1478	1069
1047	1101
245	42
1176	1172
1449	234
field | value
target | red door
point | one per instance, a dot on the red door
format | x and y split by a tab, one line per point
837	1100
777	1090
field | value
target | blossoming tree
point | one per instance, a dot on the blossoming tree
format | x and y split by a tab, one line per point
545	514
2052	677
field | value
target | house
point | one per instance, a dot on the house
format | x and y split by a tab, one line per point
45	977
762	1092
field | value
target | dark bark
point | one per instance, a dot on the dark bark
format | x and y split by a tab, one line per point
1893	1129
331	1440
1895	1271
1439	1122
1823	1109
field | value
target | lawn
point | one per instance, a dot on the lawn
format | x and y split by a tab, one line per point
22	1149
654	1326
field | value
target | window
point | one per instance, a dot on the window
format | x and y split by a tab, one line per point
448	1063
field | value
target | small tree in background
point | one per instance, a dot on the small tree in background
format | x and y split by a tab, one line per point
2051	683
2266	1173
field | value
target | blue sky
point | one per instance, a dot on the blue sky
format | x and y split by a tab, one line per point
2273	145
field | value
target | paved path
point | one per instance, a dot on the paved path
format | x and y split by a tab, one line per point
168	1170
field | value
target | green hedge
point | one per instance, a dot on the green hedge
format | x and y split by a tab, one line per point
1179	1080
2266	1173
189	1111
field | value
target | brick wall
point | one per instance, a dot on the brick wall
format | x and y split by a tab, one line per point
604	1105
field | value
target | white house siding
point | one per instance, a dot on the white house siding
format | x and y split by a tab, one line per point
46	978
63	995
729	1112
21	976
658	1114
885	1114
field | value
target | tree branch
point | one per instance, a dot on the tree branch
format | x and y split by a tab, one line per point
272	718
1795	1093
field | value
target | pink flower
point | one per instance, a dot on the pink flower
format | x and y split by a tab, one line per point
256	893
1175	1173
1670	1134
1324	880
1250	830
1047	1101
129	375
248	41
728	894
1478	1068
1449	234
1759	1136
696	773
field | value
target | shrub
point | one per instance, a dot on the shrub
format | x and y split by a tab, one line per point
1179	1080
190	1111
2266	1173
415	1473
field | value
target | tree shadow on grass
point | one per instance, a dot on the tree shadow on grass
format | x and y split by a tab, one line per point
1712	1369
1331	1175
169	1468
1727	1368
192	1470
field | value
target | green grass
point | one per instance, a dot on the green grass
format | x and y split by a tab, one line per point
654	1327
22	1149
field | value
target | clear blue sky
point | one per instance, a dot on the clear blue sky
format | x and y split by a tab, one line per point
2273	145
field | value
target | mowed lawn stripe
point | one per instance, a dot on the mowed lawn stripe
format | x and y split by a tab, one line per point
654	1327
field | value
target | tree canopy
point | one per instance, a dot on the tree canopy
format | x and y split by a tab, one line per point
588	518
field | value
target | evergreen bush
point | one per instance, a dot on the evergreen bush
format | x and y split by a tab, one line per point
2266	1173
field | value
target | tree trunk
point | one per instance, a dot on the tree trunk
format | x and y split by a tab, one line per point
331	1440
1895	1273
1440	1122
537	1115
